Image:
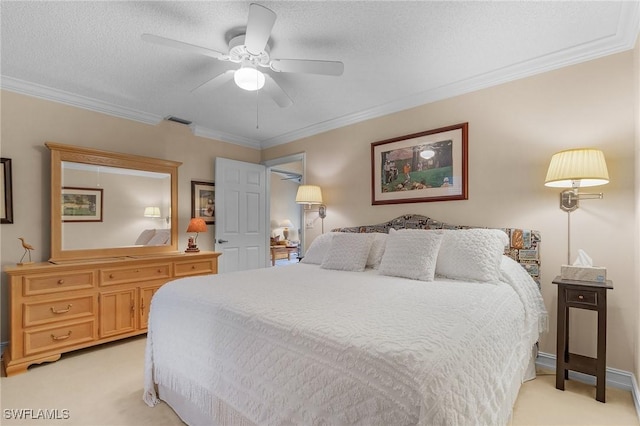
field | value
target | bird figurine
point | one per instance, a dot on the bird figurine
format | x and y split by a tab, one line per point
27	249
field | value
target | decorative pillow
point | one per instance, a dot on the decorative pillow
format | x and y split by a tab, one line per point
377	250
411	253
145	236
471	254
161	238
318	249
348	252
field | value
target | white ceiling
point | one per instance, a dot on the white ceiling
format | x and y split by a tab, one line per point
396	55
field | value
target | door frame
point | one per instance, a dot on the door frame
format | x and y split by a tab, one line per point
271	164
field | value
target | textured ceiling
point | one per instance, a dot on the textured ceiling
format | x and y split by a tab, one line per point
396	55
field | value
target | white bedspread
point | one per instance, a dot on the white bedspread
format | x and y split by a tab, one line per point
305	345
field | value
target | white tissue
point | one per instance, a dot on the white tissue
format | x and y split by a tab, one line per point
583	259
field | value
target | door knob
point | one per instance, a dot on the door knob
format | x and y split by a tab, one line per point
222	241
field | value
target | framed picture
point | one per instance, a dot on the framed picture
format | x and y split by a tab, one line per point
203	201
81	204
6	198
425	166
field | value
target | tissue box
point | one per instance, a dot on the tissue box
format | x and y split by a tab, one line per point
584	273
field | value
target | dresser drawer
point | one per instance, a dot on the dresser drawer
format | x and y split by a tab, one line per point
55	283
195	267
54	338
134	274
583	297
58	310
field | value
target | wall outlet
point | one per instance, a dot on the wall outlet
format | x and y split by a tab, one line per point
308	224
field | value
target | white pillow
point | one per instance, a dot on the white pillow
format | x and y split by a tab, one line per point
145	236
161	238
377	250
348	252
472	254
411	253
318	249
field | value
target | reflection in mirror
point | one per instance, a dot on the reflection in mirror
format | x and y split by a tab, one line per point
108	204
108	207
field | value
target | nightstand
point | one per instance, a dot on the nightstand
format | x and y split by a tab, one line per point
582	295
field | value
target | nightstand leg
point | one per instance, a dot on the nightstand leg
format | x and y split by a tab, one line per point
561	340
601	363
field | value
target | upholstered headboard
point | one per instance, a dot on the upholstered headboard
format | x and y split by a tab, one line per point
523	243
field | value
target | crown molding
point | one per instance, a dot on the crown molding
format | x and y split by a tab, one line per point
225	137
43	92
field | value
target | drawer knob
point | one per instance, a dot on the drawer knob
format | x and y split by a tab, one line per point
60	281
110	275
61	311
63	337
193	266
580	297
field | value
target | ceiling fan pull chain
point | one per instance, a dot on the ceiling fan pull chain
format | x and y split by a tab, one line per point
257	108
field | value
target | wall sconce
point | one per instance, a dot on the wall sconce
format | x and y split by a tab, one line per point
152	212
311	195
575	168
195	225
286	224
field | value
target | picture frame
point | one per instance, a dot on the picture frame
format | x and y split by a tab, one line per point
81	204
203	201
421	167
6	186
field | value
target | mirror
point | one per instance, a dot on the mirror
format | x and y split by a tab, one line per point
106	204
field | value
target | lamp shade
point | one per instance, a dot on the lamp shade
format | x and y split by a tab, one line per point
197	225
249	78
286	223
152	212
309	194
577	167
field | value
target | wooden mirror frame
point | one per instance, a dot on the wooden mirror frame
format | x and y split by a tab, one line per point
60	153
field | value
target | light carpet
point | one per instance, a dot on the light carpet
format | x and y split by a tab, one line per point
103	386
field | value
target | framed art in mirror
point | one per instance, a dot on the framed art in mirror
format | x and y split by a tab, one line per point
81	204
6	206
426	166
203	201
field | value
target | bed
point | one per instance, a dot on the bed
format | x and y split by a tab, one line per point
412	321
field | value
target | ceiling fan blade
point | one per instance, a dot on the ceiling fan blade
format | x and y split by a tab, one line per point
276	92
308	66
216	81
259	25
182	46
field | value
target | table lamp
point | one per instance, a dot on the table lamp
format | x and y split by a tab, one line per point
195	225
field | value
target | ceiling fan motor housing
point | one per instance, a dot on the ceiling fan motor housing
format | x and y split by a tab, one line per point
238	53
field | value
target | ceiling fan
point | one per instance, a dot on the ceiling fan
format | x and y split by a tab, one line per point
251	50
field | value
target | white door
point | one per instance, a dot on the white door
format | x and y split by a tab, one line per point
241	215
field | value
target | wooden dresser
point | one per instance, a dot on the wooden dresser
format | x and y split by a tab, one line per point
57	308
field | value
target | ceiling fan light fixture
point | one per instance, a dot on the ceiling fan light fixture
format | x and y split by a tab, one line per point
249	78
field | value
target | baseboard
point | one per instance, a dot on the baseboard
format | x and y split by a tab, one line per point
619	379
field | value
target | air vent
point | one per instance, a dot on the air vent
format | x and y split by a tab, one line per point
178	120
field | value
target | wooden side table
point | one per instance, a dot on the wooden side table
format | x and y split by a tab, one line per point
282	249
582	295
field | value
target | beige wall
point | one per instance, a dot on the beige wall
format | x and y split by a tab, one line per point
27	122
636	72
514	129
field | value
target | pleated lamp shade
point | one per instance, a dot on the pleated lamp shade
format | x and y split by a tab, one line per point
579	167
309	194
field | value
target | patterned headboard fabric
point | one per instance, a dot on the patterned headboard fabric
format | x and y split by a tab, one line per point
523	243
